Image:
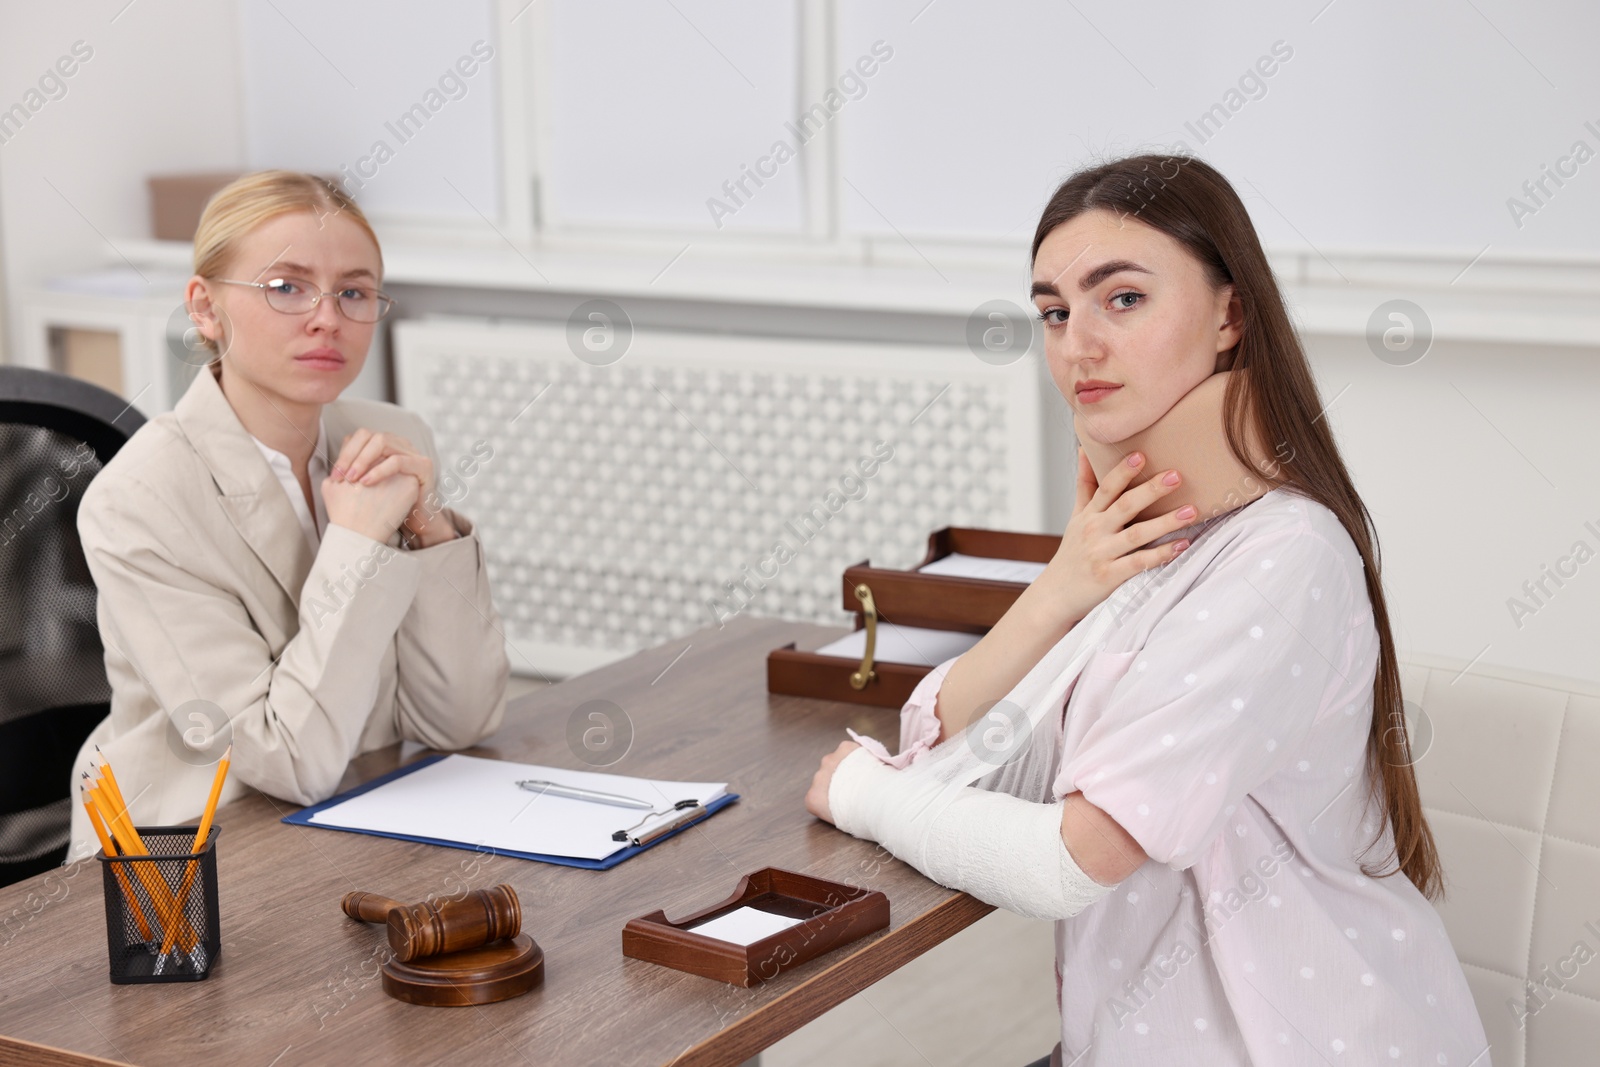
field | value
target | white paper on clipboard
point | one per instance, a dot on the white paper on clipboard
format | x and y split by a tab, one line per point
477	801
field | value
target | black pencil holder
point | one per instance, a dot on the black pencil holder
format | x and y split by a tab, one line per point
166	900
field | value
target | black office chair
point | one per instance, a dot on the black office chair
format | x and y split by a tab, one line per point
56	433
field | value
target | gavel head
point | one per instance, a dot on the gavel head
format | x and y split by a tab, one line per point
475	918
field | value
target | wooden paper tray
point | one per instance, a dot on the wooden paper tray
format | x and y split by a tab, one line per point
946	602
807	674
910	598
835	915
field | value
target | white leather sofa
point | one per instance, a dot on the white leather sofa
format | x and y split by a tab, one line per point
1511	784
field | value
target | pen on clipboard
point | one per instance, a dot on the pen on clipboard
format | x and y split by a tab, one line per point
535	785
692	810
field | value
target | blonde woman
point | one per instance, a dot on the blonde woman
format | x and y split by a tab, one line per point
276	569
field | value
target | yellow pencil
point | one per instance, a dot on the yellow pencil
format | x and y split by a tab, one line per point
117	827
122	876
200	835
120	824
211	801
112	790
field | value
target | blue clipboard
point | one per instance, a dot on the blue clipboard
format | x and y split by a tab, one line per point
303	818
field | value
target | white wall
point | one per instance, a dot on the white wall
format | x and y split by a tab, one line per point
372	94
1478	465
1354	124
158	94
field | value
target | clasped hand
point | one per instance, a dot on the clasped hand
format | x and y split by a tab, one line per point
381	483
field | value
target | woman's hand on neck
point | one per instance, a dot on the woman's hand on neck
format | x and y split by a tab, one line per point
1190	438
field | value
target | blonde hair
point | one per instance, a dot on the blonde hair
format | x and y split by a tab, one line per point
244	203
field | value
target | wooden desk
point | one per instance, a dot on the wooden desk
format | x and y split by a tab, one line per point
298	982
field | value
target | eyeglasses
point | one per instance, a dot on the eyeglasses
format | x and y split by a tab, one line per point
295	296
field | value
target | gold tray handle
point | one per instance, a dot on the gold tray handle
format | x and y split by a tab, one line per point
865	675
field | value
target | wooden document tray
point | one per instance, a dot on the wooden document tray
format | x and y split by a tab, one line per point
835	914
908	598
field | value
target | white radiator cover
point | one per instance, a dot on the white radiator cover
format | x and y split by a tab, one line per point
634	503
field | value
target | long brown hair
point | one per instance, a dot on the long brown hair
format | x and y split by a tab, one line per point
1192	203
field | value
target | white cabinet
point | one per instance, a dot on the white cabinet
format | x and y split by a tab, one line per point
148	330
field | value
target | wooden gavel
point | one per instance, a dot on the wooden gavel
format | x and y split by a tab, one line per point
416	931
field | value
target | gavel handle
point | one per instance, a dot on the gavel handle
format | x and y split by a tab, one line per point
368	907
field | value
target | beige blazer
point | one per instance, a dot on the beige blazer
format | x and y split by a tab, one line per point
209	592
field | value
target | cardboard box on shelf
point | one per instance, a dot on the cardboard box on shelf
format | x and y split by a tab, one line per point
176	201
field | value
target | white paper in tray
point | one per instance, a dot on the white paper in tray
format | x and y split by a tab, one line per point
903	644
745	926
957	565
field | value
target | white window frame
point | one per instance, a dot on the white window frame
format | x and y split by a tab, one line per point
527	217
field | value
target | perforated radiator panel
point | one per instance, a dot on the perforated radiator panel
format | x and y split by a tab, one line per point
701	477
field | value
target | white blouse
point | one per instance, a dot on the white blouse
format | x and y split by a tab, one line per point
313	526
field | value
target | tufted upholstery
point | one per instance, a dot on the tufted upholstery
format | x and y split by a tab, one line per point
1511	784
